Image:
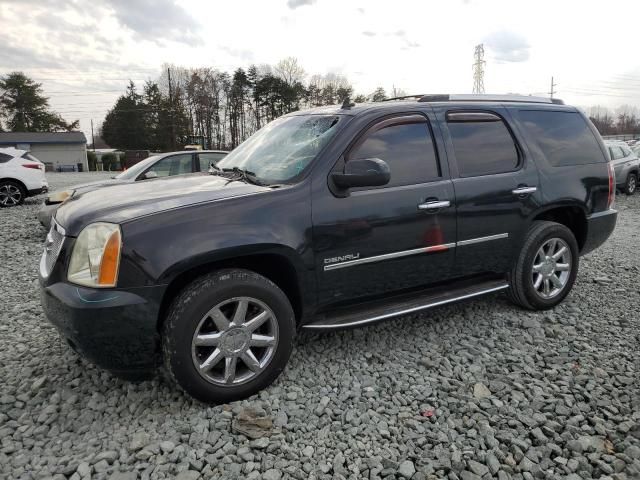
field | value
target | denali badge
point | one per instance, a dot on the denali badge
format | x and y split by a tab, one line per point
343	258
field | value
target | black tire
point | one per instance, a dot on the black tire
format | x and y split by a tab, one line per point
521	284
185	316
631	185
15	190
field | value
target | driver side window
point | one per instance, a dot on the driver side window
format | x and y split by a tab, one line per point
173	165
406	147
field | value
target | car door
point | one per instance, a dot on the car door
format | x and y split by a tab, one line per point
496	187
377	240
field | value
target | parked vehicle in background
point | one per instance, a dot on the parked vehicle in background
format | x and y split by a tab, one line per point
324	219
157	166
626	165
21	176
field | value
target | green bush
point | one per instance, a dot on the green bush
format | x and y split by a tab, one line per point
92	160
109	161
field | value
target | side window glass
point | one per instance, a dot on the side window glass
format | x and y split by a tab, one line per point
564	138
206	159
482	144
173	165
408	150
4	158
616	153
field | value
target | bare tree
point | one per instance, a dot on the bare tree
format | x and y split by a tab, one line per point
289	70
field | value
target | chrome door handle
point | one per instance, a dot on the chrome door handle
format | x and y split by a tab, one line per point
524	190
434	205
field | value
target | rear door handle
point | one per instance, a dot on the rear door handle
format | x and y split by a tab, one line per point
435	205
524	190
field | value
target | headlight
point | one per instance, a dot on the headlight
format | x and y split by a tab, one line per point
96	256
60	196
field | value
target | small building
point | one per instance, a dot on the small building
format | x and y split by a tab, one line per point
53	148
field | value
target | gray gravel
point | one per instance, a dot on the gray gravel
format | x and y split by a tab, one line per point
469	391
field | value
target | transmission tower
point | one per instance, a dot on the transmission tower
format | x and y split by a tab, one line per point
478	69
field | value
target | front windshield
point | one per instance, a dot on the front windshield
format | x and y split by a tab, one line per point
137	169
282	149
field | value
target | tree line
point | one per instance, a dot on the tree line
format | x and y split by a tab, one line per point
623	120
216	109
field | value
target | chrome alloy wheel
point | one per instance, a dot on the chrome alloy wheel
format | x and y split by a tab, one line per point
235	341
551	268
10	195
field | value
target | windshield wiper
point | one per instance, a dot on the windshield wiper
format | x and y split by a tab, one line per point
245	175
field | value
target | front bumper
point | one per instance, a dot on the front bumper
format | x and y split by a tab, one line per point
600	225
115	329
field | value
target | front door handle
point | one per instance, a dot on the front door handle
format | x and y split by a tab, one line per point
435	205
524	190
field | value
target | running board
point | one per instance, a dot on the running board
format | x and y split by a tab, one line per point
410	305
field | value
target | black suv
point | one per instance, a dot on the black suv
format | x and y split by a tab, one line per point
328	218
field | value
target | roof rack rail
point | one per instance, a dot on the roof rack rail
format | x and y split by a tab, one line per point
488	98
419	95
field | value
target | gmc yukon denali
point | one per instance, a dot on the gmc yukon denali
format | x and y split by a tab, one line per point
324	219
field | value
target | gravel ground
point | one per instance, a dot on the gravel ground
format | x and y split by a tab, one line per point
470	391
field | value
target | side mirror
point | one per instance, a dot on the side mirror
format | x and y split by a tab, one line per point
366	172
149	175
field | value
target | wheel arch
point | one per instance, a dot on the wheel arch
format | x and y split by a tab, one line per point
15	180
571	215
275	263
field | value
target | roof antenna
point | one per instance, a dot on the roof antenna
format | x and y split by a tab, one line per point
346	104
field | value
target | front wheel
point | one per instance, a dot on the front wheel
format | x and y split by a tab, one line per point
546	268
631	184
228	335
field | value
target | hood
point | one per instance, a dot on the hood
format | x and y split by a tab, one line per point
85	187
120	203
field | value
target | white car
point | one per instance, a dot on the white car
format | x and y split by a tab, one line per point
21	176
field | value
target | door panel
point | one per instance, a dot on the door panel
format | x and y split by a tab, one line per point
491	218
376	241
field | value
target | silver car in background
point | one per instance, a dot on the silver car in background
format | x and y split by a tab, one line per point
157	166
626	165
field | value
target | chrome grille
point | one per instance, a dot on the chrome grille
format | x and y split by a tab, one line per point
52	247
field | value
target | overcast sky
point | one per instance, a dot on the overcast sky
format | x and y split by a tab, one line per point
83	52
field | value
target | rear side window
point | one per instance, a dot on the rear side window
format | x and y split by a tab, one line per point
482	143
4	158
564	138
207	159
616	153
408	150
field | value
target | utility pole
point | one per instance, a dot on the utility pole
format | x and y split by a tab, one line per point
93	140
478	69
551	92
173	130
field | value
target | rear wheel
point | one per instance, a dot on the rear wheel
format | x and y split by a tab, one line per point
546	268
631	184
228	335
11	193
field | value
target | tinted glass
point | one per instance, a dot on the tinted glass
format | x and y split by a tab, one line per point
206	159
407	149
563	137
174	165
5	158
483	148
